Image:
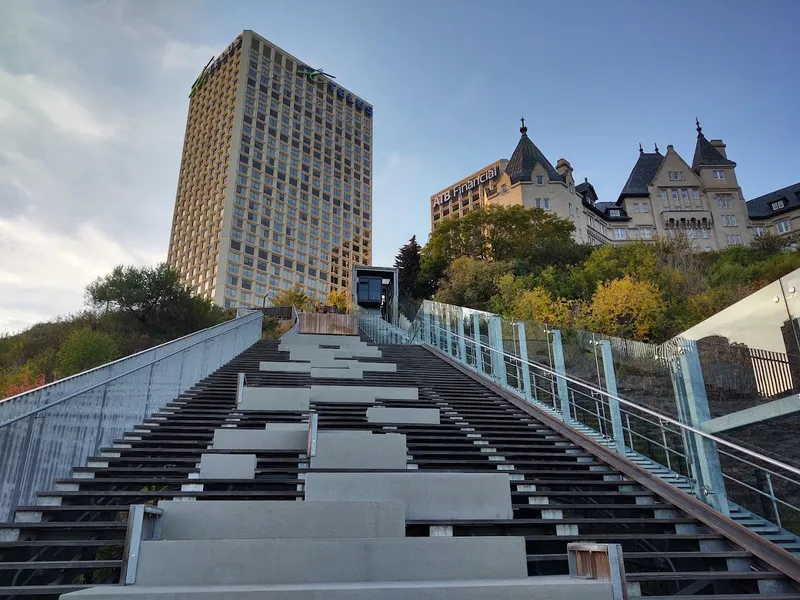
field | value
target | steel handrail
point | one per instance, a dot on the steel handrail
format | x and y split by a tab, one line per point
651	412
124	373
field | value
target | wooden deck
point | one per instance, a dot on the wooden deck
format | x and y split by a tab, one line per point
328	323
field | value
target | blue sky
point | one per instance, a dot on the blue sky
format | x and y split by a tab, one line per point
93	106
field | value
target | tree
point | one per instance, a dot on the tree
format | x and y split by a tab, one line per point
85	349
340	299
626	308
471	283
20	380
156	299
296	297
511	234
538	305
145	293
409	264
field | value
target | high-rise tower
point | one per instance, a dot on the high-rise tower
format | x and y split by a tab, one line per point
275	186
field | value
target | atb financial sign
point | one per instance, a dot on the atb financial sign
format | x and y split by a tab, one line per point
466	186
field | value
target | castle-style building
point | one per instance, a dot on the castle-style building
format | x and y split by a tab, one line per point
663	196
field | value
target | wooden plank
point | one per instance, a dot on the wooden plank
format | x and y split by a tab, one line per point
328	324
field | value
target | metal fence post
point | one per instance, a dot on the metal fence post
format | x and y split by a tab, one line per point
613	404
476	332
496	349
693	410
523	356
561	373
462	343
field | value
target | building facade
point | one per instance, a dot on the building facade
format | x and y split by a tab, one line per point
275	185
663	196
776	213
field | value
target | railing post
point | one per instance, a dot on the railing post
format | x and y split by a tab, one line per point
437	328
496	348
426	326
523	356
561	373
476	332
462	343
449	329
693	410
613	404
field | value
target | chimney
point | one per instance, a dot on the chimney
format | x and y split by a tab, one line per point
563	167
719	146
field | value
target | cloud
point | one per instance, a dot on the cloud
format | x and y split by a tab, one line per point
21	93
43	272
184	56
93	100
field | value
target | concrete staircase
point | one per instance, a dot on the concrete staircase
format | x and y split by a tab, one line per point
560	492
348	538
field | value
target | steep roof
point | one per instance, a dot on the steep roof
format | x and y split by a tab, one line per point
586	190
643	173
706	155
525	158
761	207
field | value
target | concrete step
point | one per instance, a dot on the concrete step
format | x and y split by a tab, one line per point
293	399
360	394
294	437
427	496
555	587
228	466
253	519
254	562
422	416
359	450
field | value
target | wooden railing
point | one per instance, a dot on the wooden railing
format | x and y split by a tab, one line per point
328	323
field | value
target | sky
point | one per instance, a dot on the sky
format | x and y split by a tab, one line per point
93	102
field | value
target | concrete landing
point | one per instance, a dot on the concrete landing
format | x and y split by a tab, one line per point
422	416
228	466
427	496
242	562
556	587
295	438
359	450
253	519
293	399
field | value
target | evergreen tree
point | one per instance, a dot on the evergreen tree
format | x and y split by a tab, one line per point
408	263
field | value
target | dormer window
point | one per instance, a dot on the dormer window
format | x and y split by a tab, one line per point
778	204
539	179
613	213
